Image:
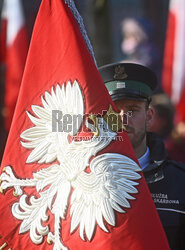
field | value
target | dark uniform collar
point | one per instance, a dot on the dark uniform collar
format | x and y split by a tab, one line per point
158	152
158	156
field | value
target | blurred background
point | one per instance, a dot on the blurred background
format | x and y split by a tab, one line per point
144	31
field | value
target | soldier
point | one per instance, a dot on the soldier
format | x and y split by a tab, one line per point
131	86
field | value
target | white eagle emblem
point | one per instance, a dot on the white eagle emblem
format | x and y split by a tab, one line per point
95	194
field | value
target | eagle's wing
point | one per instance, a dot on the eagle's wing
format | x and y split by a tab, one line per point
47	144
108	187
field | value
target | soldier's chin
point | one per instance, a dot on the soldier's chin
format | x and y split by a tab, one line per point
130	135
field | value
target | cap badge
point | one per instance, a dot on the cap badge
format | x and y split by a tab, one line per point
120	72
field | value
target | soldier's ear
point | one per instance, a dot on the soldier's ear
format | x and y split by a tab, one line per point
149	116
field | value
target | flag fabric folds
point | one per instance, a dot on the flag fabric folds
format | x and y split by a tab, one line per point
14	48
69	179
173	75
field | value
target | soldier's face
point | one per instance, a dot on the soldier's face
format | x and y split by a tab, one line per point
135	117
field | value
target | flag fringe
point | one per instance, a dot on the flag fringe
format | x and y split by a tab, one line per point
81	25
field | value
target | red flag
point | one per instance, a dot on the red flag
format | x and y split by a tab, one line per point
78	185
173	76
14	54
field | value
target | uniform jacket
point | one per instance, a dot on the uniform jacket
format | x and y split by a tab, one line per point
166	181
